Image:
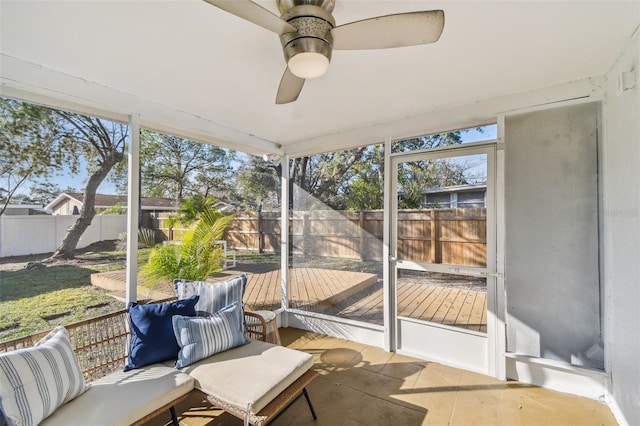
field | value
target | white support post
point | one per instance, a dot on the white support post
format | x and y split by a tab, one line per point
133	205
387	299
284	232
500	345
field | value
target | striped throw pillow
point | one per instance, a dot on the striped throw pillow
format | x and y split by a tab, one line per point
201	337
35	381
213	296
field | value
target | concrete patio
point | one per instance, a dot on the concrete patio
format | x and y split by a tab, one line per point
363	385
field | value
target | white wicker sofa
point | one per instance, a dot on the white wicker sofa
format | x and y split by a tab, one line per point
256	381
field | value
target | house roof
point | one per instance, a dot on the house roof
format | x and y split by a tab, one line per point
456	188
31	209
191	69
24	206
107	200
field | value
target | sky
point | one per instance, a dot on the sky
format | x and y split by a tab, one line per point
75	181
488	133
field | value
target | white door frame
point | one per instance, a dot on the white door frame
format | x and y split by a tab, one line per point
492	346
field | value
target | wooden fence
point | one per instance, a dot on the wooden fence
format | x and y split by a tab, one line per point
450	236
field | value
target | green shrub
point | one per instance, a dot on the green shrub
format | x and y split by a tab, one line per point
196	257
146	238
118	208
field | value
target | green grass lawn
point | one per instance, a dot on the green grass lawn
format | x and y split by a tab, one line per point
39	299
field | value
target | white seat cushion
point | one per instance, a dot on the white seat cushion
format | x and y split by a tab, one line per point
251	374
121	398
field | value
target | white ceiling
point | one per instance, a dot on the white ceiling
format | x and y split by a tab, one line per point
199	69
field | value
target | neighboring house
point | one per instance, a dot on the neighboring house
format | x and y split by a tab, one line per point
24	210
451	197
459	196
70	203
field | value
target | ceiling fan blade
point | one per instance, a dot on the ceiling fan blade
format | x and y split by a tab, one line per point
254	13
383	32
290	88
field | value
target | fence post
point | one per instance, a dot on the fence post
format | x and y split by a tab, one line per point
435	223
433	240
363	237
260	233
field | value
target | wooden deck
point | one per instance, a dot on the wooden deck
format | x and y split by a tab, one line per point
311	287
452	306
353	295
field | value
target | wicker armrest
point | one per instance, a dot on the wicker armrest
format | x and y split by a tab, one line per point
100	343
256	326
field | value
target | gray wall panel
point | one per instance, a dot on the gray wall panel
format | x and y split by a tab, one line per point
552	271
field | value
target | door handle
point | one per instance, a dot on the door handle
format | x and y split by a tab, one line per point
392	259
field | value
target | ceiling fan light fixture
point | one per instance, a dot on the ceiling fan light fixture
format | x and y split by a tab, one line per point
308	65
307	57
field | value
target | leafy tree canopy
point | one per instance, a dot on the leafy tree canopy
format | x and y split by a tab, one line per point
45	192
259	182
179	168
353	179
33	146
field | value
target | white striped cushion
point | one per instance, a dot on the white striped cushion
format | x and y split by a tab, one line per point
35	381
213	296
201	337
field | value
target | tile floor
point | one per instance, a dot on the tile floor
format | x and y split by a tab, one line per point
363	385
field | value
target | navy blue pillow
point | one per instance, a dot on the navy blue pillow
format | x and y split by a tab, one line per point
152	336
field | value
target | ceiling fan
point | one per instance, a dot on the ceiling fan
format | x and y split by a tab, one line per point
308	35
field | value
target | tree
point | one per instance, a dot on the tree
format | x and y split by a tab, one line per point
366	192
32	146
191	209
323	176
259	181
437	140
35	142
102	145
45	192
22	199
416	176
118	208
354	178
179	168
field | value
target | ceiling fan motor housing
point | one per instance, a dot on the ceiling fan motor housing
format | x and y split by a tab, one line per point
284	5
314	25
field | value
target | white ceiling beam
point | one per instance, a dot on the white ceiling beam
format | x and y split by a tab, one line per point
34	83
453	118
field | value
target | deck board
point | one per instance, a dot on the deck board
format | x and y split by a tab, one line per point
453	314
430	302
